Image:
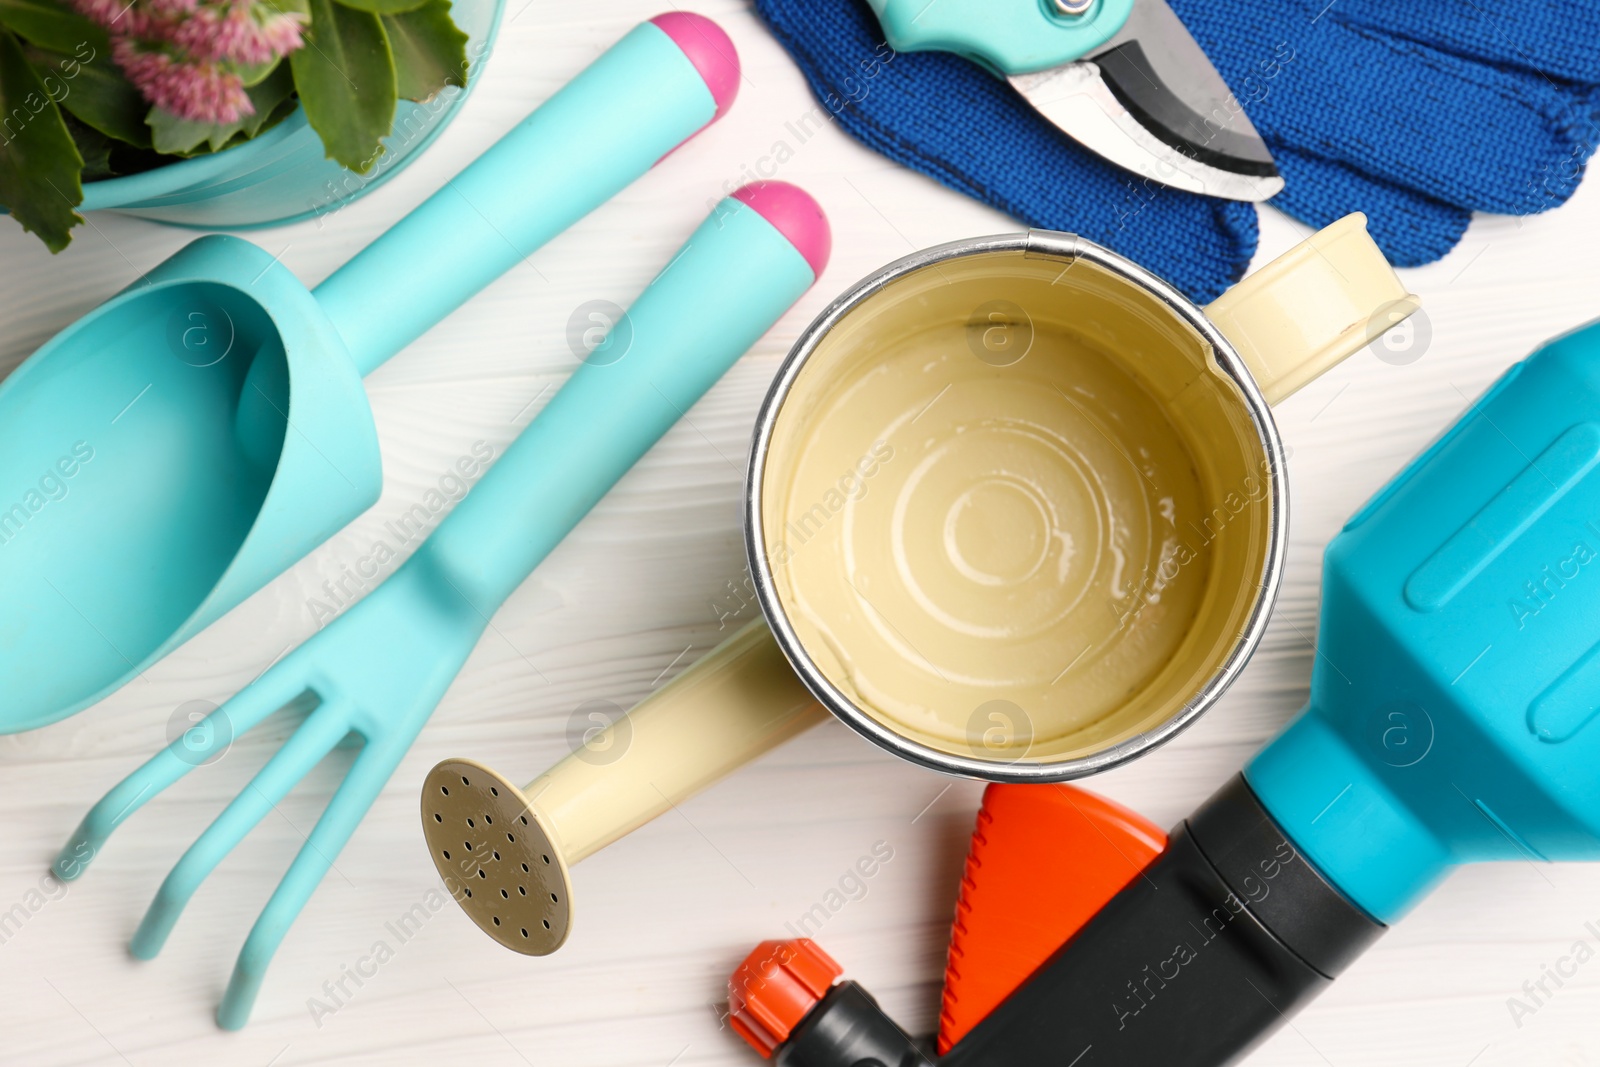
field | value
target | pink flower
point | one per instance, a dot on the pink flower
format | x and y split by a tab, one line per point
194	90
184	55
236	33
120	16
170	8
282	33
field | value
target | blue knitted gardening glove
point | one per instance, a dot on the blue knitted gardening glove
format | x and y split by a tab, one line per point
944	116
1417	113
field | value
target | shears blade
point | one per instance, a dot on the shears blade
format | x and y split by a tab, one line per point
1150	101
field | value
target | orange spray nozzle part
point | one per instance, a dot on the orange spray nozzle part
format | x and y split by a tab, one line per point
1044	859
775	987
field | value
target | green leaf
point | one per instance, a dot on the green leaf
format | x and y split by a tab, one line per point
41	172
126	159
179	137
95	92
93	146
267	95
346	80
430	52
277	115
52	24
256	73
384	7
173	136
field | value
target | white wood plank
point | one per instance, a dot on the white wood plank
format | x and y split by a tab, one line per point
665	914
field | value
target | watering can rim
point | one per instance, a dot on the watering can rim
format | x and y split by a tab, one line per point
1229	362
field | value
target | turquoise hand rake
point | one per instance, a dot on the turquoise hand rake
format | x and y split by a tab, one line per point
190	439
379	670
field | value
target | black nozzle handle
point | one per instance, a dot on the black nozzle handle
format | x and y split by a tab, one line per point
1227	934
848	1029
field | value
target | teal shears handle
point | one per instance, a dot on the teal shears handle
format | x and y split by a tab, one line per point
1007	36
657	87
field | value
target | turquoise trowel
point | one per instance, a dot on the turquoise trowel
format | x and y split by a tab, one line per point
194	436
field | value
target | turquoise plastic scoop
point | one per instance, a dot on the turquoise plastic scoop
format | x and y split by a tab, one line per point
193	437
379	670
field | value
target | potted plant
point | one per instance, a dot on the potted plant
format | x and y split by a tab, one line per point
220	112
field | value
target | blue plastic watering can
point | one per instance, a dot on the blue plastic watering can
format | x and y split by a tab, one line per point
193	437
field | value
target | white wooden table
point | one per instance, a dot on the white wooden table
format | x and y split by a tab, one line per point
630	599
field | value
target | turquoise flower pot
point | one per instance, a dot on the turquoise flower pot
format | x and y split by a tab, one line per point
284	175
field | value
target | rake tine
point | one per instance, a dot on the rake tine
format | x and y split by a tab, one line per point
345	811
313	740
272	691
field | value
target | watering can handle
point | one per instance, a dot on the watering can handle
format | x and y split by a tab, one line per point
657	87
1319	303
737	703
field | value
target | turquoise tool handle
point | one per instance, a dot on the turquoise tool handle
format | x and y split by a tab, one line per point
1008	36
605	128
728	285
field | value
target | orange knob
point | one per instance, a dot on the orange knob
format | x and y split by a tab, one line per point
775	987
